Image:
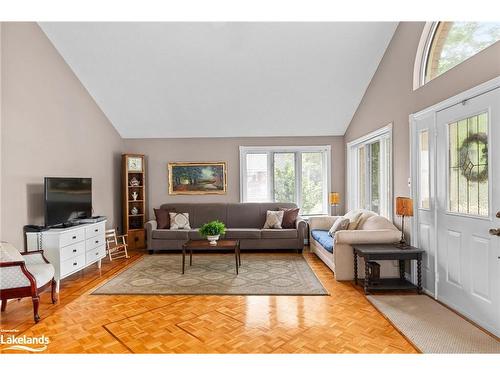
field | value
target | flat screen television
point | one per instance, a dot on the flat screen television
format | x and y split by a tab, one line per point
67	199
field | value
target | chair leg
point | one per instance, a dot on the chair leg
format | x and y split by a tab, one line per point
4	304
53	286
36	303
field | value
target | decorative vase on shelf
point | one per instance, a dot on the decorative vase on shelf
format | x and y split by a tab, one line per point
135	195
134	182
213	239
134	211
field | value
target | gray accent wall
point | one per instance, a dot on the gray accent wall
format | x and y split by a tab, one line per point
161	151
50	127
390	96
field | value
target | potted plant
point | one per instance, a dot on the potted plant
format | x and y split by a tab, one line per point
212	231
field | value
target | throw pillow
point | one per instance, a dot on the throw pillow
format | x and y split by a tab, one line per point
273	220
179	220
354	219
342	223
289	217
162	218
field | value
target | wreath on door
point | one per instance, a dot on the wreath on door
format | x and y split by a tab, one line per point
467	166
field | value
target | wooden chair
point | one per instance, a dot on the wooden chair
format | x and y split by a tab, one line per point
24	275
116	246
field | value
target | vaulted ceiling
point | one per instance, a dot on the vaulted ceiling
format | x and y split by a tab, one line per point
172	80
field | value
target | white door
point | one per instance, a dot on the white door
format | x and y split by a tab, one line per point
468	207
425	227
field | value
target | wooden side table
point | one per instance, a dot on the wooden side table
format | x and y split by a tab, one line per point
388	252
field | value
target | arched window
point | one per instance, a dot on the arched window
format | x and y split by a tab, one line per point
447	44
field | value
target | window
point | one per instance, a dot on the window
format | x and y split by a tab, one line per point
370	172
424	193
468	166
287	174
447	44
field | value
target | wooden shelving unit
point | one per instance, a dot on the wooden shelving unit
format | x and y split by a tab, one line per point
133	168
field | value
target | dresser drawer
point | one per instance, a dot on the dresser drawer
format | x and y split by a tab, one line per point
95	230
71	237
73	250
95	254
71	265
94	242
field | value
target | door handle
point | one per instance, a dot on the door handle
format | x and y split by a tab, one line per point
495	231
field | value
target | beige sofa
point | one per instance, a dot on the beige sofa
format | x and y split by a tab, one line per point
372	228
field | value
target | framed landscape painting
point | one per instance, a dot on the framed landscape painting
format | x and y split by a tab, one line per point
197	178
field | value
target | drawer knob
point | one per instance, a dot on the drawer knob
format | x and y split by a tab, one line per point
96	230
75	264
74	237
74	250
96	253
96	241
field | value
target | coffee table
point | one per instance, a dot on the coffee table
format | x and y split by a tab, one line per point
191	245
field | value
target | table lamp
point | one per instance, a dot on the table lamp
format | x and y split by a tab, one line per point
334	199
404	207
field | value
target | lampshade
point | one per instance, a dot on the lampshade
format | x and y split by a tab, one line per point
404	206
334	198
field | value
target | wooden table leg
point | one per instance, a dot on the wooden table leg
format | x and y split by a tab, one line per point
401	269
419	274
183	258
236	258
239	253
367	280
190	256
355	267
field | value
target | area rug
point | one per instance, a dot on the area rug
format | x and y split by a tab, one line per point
214	274
432	327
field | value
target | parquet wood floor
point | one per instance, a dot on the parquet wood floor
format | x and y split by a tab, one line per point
344	322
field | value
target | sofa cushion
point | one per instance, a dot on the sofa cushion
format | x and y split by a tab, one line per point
279	233
242	233
342	223
162	218
43	272
274	219
354	219
244	215
376	222
195	235
169	234
289	217
179	220
323	238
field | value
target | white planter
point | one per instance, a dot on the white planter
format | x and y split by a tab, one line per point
213	239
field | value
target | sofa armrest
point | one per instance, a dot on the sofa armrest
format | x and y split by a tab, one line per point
367	236
301	226
321	222
150	226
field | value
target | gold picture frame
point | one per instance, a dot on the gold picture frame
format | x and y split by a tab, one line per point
197	178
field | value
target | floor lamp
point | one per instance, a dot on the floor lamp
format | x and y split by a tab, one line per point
334	199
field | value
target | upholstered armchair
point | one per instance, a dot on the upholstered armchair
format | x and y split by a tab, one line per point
24	275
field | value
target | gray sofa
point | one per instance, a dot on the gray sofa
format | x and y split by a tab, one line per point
244	222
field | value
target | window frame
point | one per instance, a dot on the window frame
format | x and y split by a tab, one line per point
386	170
326	151
423	51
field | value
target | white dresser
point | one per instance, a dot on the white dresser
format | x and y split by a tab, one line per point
71	249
